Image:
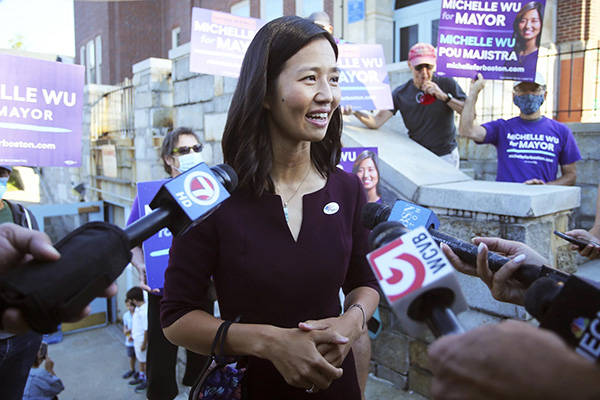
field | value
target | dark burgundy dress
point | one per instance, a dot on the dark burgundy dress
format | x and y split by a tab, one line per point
266	277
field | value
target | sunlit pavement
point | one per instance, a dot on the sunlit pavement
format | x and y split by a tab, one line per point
91	363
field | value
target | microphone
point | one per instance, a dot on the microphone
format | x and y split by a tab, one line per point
417	280
95	254
412	215
571	309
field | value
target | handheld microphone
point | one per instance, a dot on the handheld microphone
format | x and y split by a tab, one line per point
95	254
412	215
571	309
417	280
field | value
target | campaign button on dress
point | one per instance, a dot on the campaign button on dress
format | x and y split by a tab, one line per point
331	208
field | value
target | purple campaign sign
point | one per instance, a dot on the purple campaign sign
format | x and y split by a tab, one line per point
500	39
363	77
351	154
156	248
220	41
41	106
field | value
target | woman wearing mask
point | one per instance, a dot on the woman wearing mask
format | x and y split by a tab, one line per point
289	237
180	151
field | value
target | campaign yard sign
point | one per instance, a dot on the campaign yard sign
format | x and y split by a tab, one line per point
498	38
219	41
41	105
364	79
156	247
351	154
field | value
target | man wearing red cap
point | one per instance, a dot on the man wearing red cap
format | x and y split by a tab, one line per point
427	103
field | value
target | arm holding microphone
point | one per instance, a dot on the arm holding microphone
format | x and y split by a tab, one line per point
502	286
513	359
17	246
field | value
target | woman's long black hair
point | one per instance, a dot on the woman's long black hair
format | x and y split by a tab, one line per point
246	139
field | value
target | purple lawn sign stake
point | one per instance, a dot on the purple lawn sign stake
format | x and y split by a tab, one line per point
500	39
219	41
41	106
363	77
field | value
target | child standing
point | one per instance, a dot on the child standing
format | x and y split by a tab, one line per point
127	321
139	333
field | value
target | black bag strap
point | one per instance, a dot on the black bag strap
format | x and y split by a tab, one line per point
220	359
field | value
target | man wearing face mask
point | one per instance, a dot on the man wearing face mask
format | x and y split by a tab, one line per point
180	151
530	147
17	352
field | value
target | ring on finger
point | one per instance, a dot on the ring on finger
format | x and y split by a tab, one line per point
311	389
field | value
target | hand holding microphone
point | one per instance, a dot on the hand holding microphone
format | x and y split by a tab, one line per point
51	291
503	286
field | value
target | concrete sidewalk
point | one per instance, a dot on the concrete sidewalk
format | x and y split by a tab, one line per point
91	363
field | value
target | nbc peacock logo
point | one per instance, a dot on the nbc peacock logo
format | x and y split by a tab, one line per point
579	325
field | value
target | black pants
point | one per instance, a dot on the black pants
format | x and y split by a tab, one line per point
162	358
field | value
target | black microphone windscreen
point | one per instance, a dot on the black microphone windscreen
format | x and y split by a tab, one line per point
540	296
229	178
373	214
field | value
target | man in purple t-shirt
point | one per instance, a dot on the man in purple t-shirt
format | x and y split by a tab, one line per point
530	147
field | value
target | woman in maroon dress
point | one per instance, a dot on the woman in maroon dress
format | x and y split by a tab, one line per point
286	241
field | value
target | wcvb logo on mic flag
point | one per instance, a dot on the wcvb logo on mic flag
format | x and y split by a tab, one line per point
408	263
201	188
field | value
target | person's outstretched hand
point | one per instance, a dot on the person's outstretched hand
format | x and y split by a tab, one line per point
592	250
19	245
510	360
502	287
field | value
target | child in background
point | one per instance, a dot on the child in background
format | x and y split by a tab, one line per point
127	321
139	333
42	383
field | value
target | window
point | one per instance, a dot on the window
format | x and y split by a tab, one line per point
405	3
90	62
175	36
409	35
241	8
98	59
82	55
434	32
271	9
306	7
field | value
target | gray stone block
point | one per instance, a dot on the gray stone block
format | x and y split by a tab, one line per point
587	171
222	103
217	153
390	349
181	93
201	88
479	298
190	116
161	117
588	143
229	84
181	68
420	381
399	380
142	118
214	124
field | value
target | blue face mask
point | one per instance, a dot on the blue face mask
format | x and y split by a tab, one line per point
189	160
3	184
529	103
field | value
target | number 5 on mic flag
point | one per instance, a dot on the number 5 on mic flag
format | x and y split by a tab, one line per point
409	267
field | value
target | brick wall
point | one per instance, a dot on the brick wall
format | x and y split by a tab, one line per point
577	20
